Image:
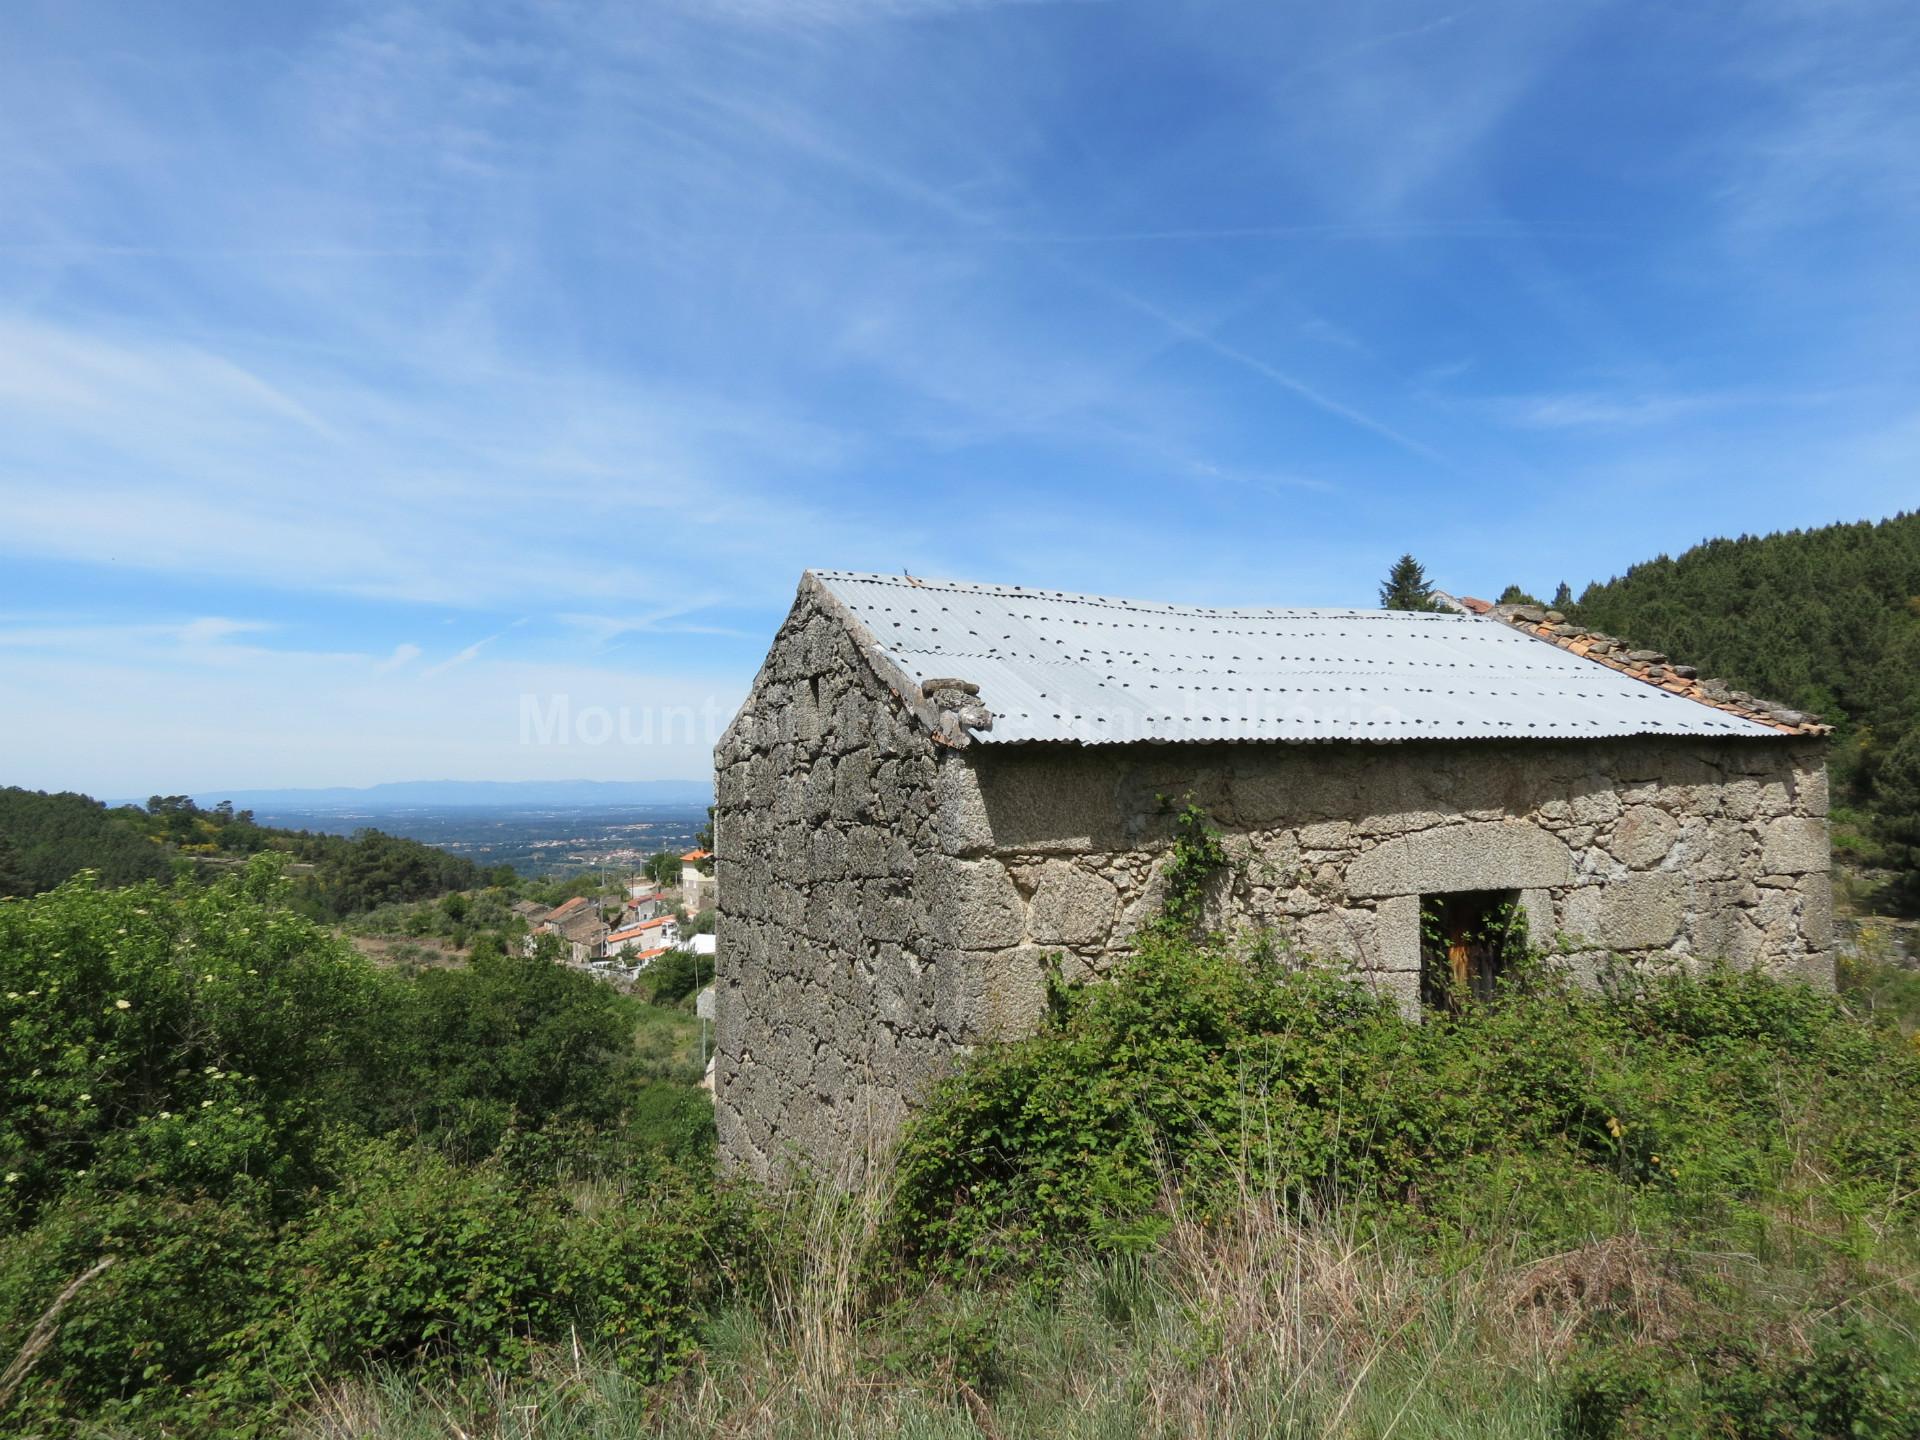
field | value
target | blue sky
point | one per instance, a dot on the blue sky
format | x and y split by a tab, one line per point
365	369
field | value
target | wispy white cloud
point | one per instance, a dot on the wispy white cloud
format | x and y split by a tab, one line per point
523	486
1606	410
1631	407
200	636
404	654
213	629
467	654
1838	128
669	620
67	376
793	13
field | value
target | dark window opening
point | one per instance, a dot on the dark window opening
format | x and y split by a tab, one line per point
1467	941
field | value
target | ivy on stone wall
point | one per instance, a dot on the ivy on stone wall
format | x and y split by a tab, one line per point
1196	857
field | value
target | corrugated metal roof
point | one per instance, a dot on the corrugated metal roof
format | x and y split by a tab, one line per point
1089	669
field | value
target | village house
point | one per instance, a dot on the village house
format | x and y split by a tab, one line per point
531	911
661	932
626	964
643	903
694	881
581	931
936	791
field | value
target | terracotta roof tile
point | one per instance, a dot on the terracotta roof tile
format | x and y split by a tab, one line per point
641	928
1652	668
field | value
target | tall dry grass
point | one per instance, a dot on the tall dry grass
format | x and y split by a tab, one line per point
1265	1322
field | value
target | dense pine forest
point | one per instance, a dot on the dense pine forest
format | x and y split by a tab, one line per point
1825	620
47	838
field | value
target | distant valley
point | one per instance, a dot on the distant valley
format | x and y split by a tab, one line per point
447	794
536	839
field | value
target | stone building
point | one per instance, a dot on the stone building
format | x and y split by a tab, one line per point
577	923
935	791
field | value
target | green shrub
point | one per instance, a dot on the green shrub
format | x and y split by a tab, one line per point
144	1340
1064	1133
634	1275
1875	983
1858	1378
673	1120
1547	1113
676	975
179	1038
415	1259
193	1084
510	1039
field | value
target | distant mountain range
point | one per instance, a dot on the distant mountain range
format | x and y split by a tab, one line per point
449	794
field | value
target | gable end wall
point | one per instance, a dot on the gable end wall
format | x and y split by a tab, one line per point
837	999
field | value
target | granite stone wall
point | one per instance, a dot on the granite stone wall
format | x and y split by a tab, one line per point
832	1010
890	898
1652	849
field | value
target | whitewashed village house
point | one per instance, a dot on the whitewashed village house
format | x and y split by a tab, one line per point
933	788
661	932
644	900
694	882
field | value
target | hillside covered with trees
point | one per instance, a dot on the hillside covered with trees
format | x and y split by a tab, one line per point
45	839
1826	620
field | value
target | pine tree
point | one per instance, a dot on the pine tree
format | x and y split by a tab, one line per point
1823	620
1514	595
12	881
1563	597
1897	818
1406	587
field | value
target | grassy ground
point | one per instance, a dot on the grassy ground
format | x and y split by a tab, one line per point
407	953
1266	1326
670	1041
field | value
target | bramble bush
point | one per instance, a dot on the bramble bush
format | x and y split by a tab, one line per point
414	1258
1851	1379
1667	1097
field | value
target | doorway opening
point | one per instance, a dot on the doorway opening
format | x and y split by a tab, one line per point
1468	938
